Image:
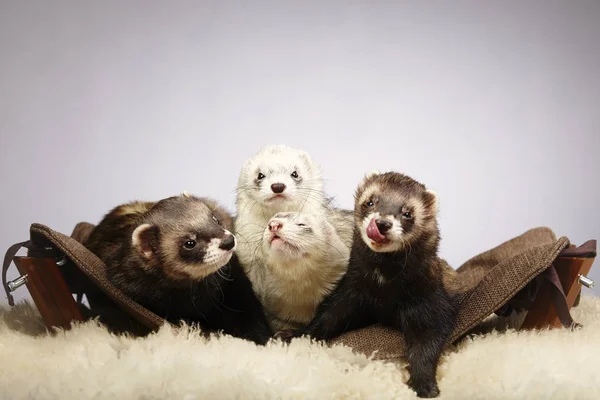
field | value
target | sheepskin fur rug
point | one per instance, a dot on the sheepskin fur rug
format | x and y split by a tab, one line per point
87	362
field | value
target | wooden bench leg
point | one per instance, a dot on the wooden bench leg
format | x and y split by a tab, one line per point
49	291
542	313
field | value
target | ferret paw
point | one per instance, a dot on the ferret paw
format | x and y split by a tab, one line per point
286	335
425	388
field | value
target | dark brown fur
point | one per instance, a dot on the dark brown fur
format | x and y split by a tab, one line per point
221	300
404	289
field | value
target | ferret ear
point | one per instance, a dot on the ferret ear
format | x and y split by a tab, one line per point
368	176
328	230
145	240
305	157
372	174
220	212
313	166
186	194
432	202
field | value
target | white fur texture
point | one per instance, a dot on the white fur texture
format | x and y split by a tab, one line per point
217	256
302	266
88	363
256	204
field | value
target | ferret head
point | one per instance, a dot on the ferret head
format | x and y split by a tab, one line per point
279	178
186	236
294	235
392	211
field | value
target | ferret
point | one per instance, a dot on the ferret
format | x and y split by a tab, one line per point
304	260
279	178
394	276
176	258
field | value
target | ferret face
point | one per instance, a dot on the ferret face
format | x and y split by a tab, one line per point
188	237
392	210
294	235
280	178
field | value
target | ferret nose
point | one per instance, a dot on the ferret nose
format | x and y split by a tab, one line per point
278	187
274	226
383	225
227	243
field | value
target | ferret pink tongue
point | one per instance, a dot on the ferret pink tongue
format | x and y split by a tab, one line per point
373	232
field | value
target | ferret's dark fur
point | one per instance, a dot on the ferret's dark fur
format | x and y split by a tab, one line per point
202	285
399	282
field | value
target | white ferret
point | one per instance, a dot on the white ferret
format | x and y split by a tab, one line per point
305	259
279	178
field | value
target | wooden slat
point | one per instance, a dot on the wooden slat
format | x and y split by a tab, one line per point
49	291
542	313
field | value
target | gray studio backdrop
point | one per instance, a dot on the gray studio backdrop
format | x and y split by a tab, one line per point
494	105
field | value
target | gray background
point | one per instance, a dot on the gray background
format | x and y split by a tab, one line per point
494	105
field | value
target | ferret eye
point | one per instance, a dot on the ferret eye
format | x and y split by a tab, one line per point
216	220
295	175
370	203
260	176
189	244
301	224
407	215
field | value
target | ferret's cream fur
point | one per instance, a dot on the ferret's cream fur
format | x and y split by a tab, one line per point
305	258
256	203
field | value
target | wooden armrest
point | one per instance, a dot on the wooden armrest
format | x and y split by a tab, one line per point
49	291
569	269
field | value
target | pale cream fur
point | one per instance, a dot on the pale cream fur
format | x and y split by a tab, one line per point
298	277
135	207
89	363
256	203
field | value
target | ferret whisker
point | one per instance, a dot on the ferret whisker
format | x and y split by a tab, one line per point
221	274
327	244
193	298
241	190
310	196
252	204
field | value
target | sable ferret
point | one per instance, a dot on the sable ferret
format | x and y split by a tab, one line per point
176	258
279	178
304	260
394	276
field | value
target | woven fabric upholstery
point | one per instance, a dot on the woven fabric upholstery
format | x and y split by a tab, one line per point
82	231
483	284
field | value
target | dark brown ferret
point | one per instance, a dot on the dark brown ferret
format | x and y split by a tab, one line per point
394	276
176	258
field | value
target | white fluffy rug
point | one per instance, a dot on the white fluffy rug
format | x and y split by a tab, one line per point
89	363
